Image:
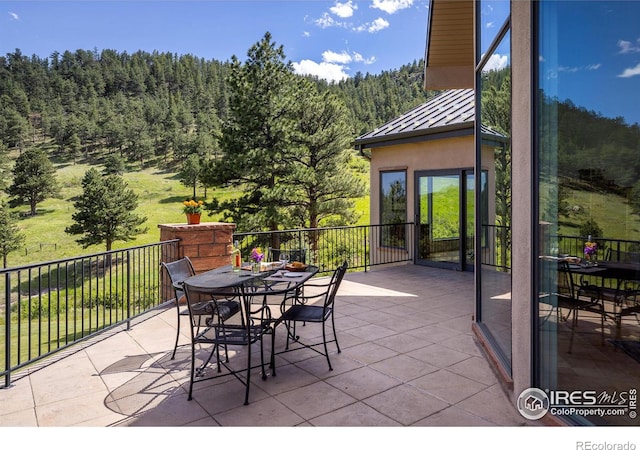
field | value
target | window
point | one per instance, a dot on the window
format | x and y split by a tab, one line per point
493	152
588	174
393	208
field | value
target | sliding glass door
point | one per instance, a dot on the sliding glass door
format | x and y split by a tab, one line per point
444	237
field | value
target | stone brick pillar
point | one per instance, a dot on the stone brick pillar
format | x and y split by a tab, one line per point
207	244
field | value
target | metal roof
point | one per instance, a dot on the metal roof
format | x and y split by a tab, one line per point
449	114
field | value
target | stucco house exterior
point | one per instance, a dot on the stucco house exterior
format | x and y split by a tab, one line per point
422	172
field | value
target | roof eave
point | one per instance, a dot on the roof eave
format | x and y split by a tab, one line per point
447	131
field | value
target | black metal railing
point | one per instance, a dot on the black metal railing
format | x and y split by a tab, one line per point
49	306
496	246
362	246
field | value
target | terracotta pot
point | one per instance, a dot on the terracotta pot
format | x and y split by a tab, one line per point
193	219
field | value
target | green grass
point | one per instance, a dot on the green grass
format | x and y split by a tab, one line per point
160	197
612	213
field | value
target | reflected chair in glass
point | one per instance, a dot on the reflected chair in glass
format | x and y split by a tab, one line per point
179	271
314	306
221	331
577	297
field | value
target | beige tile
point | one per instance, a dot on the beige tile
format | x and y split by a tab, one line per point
475	368
368	353
447	386
363	382
438	355
73	411
21	418
405	404
404	368
403	343
17	397
315	400
265	412
288	377
371	332
434	333
354	415
492	405
453	417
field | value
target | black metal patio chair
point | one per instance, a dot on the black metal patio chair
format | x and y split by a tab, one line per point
311	306
179	271
220	331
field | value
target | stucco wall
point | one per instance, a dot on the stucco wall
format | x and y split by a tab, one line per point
522	192
451	153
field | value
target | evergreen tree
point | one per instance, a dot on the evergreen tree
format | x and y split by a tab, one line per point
4	166
105	211
256	136
321	186
114	164
190	172
10	236
33	179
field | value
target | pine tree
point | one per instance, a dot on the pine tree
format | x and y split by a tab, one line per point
33	179
256	136
105	211
10	236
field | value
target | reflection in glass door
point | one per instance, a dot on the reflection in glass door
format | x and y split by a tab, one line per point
443	236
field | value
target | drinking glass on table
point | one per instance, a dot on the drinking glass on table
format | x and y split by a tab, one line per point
284	259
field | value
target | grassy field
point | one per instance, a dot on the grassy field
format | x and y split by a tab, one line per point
612	213
160	197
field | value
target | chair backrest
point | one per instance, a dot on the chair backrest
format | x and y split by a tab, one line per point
179	271
200	302
334	285
296	254
566	284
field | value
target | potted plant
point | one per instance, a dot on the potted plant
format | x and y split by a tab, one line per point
193	210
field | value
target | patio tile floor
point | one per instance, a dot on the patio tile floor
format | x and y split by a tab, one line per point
408	359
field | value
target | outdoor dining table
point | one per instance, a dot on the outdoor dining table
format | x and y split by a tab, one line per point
253	290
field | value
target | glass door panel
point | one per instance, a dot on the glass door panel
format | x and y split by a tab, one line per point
438	219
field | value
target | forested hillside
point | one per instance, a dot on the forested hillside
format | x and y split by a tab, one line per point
154	107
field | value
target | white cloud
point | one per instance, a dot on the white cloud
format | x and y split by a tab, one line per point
391	6
306	34
377	25
629	47
575	69
343	10
333	66
14	16
327	71
326	21
333	57
631	72
489	25
357	57
496	62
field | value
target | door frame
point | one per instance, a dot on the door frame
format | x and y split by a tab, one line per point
462	173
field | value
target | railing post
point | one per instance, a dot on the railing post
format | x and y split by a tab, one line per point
366	251
7	329
128	290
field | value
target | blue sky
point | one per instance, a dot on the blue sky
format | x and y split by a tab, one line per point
597	63
331	39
